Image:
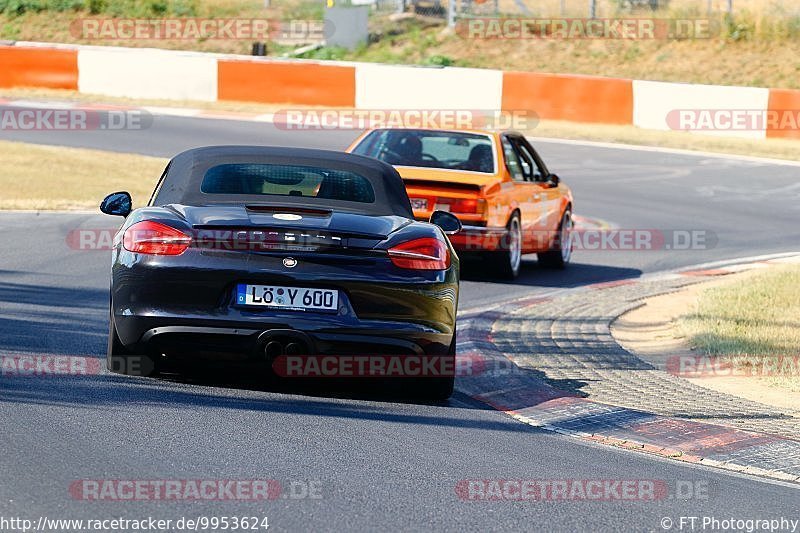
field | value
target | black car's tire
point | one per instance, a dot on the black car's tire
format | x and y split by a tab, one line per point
560	254
440	388
120	360
506	263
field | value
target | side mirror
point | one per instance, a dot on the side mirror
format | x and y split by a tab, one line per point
117	203
553	180
447	221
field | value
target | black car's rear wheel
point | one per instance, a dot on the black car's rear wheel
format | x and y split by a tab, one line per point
561	252
120	360
439	388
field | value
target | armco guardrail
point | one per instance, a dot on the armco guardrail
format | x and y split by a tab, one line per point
180	75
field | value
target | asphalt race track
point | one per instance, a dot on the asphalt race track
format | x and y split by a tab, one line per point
377	462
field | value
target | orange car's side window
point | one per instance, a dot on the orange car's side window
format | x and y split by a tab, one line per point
512	160
532	168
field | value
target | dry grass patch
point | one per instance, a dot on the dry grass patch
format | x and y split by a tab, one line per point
55	177
752	323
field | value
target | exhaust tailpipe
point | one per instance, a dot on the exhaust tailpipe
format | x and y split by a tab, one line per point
295	348
273	349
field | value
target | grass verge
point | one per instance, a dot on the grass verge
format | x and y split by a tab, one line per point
55	177
749	322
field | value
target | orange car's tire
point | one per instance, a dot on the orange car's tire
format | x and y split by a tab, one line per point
506	263
561	252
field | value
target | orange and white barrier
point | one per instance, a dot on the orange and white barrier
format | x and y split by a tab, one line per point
700	108
147	73
286	82
52	68
408	87
569	97
746	112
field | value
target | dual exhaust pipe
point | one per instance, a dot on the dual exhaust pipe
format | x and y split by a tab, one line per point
273	349
276	342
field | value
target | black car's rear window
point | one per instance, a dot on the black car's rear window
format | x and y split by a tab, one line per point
287	180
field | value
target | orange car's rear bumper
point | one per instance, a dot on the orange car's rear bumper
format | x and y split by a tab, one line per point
480	239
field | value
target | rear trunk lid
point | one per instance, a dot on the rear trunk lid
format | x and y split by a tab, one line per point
265	227
460	193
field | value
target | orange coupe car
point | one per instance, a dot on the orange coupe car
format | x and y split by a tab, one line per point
494	182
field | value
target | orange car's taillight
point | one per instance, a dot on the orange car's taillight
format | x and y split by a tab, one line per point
466	206
148	237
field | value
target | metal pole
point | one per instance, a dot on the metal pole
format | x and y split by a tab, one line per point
592	9
451	14
730	7
401	6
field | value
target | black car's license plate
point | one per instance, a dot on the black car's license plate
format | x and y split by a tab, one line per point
296	298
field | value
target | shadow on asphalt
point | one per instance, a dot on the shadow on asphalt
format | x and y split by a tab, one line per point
57	297
51	320
534	275
112	393
62	320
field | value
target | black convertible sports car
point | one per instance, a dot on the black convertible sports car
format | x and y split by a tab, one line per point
252	253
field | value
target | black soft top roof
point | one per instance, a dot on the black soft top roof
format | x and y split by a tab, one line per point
185	172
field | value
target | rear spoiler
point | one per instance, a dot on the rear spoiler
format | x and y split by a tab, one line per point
442	184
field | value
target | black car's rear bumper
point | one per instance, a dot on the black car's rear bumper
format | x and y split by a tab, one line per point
186	305
211	338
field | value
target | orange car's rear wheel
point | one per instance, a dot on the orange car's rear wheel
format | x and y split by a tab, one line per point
560	253
506	262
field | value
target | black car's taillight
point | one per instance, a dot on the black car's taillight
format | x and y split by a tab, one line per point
427	253
148	237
